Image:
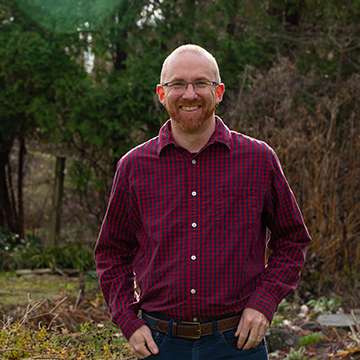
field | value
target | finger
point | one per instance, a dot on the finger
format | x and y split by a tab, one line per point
252	323
251	341
142	343
242	327
255	337
151	344
263	329
239	328
254	340
140	350
243	334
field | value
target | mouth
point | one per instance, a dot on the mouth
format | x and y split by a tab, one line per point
190	108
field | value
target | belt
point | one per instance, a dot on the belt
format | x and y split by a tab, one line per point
191	330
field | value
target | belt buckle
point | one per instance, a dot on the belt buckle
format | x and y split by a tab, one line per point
199	329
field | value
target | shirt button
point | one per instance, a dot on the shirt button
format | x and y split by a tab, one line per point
193	161
193	291
194	193
194	224
195	319
193	257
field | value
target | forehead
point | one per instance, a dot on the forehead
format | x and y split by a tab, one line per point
189	66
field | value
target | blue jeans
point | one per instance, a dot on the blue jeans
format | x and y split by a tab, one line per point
219	346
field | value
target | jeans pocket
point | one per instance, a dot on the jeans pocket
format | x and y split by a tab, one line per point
159	337
160	340
230	340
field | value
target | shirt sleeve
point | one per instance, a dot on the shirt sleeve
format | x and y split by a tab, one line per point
115	250
288	242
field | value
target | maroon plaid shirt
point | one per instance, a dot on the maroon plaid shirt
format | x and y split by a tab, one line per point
193	230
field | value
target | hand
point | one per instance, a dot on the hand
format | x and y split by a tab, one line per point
252	328
142	343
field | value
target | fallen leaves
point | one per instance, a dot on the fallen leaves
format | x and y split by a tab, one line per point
347	354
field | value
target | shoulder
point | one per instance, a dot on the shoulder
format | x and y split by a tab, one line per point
247	143
139	153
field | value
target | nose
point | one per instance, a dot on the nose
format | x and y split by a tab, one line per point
190	91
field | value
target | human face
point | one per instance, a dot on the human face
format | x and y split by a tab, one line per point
190	110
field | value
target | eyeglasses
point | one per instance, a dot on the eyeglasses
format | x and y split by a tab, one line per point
199	86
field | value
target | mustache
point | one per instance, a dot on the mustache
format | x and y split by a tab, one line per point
190	103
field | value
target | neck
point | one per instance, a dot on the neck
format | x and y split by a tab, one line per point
193	141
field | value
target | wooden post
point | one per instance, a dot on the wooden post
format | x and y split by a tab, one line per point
57	200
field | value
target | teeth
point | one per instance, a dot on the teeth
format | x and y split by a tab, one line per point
190	108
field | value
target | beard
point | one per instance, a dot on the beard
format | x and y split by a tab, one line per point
189	122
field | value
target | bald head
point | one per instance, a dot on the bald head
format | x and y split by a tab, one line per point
193	49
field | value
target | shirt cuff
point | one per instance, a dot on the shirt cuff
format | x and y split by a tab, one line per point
128	323
263	302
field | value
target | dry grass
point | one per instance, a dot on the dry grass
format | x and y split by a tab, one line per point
60	330
316	135
63	313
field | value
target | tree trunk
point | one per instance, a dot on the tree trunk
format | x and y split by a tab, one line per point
20	200
7	209
57	200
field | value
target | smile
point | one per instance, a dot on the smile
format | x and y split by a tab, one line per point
190	108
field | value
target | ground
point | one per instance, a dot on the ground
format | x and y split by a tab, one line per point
74	306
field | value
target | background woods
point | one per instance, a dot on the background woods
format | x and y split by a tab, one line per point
80	84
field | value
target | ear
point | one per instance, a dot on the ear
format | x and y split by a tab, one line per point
219	93
161	94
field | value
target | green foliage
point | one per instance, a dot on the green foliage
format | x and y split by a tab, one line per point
312	339
350	276
21	342
324	305
30	253
7	239
39	84
66	16
297	354
284	306
17	253
74	255
35	73
284	311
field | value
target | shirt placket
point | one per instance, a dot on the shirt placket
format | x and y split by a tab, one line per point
194	223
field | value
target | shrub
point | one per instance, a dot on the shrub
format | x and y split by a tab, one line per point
18	253
297	354
311	339
324	305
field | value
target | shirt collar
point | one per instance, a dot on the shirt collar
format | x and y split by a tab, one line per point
222	134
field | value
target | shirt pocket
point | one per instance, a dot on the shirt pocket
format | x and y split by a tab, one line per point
235	208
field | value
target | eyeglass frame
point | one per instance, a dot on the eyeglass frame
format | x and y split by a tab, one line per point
192	83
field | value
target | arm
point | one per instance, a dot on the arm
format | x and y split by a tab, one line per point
288	242
115	250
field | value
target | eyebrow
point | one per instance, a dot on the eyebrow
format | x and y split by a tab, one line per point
197	79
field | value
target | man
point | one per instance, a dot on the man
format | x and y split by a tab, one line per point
188	218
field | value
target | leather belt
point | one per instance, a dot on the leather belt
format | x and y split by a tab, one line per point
191	330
